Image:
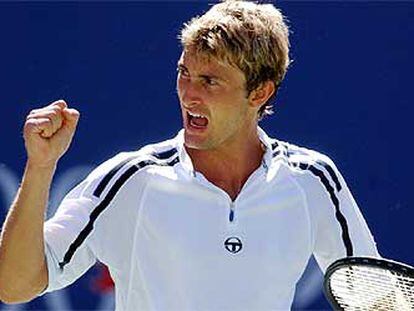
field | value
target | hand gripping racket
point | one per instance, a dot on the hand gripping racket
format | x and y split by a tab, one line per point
365	283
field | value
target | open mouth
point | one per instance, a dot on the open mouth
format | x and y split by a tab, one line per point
197	121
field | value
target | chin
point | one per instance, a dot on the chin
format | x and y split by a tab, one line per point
196	142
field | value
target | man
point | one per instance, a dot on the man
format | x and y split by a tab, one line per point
221	217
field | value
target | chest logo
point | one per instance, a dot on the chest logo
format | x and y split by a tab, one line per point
233	245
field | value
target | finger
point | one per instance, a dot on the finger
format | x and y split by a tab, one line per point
71	117
39	126
33	111
52	113
59	103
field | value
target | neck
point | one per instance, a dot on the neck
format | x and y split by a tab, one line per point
229	166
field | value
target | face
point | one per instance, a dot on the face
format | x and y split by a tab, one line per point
214	102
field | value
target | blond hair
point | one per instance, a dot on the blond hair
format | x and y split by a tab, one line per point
250	36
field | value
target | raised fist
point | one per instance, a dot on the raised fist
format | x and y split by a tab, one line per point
48	132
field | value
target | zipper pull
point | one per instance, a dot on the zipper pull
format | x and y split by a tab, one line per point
231	215
264	164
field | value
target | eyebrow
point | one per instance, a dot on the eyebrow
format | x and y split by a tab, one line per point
209	76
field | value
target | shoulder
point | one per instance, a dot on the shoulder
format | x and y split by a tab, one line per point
149	154
300	160
295	153
117	170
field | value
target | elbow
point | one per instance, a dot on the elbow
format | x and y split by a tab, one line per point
11	300
14	298
16	288
12	293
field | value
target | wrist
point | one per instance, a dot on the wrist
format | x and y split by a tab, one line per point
38	176
46	167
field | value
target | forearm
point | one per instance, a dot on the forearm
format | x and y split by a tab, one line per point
23	271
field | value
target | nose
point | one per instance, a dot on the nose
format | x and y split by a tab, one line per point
189	91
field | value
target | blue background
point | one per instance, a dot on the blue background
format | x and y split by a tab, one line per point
348	94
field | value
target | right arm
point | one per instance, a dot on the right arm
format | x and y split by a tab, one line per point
23	272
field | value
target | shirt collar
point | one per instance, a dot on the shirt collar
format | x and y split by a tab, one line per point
187	164
267	142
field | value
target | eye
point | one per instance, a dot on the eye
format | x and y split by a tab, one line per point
182	72
209	81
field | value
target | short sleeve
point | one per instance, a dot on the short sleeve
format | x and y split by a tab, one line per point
67	261
71	241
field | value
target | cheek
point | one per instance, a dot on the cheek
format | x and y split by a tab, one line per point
179	86
231	103
226	113
235	112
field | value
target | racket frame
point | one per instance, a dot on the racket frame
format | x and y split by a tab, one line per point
379	263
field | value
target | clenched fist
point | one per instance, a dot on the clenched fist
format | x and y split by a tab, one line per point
48	132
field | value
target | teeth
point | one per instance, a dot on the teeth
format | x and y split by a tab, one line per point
194	115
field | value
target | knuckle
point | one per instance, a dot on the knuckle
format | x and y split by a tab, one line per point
55	108
56	112
29	127
52	114
29	122
59	101
59	104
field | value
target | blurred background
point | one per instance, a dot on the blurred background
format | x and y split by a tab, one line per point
348	94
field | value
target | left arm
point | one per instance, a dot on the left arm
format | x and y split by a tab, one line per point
340	230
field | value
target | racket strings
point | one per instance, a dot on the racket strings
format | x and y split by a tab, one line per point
362	288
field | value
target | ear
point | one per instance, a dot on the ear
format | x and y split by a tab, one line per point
261	94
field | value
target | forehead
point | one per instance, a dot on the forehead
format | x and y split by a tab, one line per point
200	63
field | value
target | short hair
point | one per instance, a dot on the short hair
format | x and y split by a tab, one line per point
250	36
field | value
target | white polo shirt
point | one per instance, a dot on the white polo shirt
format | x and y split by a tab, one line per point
174	241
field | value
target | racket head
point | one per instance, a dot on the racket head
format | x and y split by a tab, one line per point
350	270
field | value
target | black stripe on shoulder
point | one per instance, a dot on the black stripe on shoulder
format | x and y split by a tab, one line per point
104	182
145	163
276	153
279	149
332	174
165	154
324	164
105	203
95	213
338	214
174	161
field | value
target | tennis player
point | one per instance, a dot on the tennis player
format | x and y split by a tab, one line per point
220	217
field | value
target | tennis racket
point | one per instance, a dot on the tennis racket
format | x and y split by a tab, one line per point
365	283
